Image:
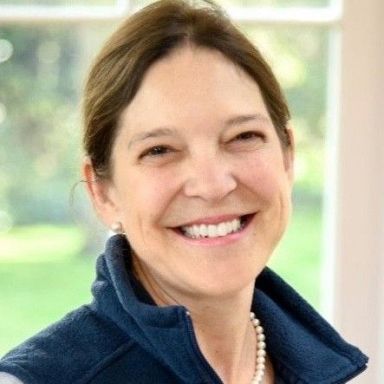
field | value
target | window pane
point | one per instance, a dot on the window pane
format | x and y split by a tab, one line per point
41	74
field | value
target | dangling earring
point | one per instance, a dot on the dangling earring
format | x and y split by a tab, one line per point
117	227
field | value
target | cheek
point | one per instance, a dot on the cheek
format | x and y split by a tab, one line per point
147	194
266	176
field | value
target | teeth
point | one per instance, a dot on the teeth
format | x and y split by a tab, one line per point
212	230
222	229
203	230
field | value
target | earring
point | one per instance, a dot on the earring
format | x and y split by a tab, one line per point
117	227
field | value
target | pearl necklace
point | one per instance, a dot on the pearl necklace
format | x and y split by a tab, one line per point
260	351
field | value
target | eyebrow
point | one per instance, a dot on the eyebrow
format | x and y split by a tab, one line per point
168	131
241	119
157	132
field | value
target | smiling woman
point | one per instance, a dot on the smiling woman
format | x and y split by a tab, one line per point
189	159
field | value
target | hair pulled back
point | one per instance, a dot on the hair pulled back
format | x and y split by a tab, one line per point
149	35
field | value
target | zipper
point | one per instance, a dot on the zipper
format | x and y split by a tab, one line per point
211	376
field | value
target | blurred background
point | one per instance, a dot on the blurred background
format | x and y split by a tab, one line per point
49	237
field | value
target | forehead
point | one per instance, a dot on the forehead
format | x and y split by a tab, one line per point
192	85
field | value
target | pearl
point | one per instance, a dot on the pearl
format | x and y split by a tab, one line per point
256	322
261	345
261	337
117	227
260	350
260	359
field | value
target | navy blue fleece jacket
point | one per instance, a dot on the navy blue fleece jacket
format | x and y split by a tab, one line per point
122	337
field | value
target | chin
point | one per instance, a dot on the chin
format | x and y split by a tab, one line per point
226	284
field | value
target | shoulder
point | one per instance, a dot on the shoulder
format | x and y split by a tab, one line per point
80	344
295	331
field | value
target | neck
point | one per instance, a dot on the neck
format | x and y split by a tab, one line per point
227	339
222	326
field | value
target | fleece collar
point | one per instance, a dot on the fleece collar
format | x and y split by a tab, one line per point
303	346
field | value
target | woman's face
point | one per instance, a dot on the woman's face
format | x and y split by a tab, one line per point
200	181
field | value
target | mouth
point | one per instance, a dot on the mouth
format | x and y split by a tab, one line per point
212	231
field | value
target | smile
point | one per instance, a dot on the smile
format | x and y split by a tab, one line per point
199	231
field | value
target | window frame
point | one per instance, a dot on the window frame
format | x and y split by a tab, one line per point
354	190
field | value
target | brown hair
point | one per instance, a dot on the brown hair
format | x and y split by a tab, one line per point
146	37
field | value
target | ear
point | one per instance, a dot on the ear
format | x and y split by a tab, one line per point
289	154
101	193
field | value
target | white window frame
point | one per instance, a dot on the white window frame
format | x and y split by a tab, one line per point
354	212
353	273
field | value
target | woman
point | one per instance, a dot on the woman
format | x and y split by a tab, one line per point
190	162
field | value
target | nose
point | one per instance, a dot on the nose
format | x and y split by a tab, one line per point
210	179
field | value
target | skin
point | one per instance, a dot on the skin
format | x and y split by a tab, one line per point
197	144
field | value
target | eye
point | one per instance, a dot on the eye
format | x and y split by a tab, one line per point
249	135
156	151
247	140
